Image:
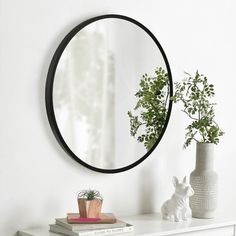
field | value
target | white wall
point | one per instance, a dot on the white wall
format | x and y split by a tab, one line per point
37	180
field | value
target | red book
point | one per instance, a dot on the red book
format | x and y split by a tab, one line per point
74	218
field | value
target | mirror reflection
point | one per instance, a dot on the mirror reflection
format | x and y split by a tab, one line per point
111	93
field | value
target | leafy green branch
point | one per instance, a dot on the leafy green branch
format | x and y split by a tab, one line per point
195	93
152	107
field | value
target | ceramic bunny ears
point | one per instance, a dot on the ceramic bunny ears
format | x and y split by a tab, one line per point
176	181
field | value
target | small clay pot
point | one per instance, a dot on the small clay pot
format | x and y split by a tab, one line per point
90	208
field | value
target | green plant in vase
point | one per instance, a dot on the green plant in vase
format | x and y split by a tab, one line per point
196	94
90	203
152	101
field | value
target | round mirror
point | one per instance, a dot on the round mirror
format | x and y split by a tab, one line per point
107	93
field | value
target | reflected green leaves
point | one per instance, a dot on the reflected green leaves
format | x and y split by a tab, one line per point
152	108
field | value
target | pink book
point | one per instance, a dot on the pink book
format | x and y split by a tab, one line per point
74	218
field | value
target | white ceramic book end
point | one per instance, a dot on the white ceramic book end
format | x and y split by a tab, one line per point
177	208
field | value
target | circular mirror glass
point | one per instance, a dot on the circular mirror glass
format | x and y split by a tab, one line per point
107	93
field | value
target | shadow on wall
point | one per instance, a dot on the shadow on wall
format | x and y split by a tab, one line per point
155	187
156	180
16	221
147	196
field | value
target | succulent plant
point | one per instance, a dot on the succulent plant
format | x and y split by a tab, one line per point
89	194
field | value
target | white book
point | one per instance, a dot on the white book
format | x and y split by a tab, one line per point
63	222
101	232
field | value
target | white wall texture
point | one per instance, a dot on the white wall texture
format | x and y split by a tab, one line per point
38	181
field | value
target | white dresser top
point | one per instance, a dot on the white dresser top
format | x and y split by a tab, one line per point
152	224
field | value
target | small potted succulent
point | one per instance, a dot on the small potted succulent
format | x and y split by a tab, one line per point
196	94
90	203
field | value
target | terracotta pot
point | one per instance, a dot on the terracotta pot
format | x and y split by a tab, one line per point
90	208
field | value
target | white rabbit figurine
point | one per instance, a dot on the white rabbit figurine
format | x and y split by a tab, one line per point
177	208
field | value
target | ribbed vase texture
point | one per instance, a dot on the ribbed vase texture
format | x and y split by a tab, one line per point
204	181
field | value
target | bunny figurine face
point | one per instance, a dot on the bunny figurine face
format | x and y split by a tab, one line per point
182	189
177	207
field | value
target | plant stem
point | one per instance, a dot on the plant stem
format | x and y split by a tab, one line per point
168	93
189	115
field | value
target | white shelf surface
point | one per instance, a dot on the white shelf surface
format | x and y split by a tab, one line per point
153	225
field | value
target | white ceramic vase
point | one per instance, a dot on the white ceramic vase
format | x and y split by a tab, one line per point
204	181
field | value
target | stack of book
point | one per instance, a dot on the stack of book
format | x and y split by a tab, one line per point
73	225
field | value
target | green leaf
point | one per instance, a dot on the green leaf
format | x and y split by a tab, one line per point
151	108
195	94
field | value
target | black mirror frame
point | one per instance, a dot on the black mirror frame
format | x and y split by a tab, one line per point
49	92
